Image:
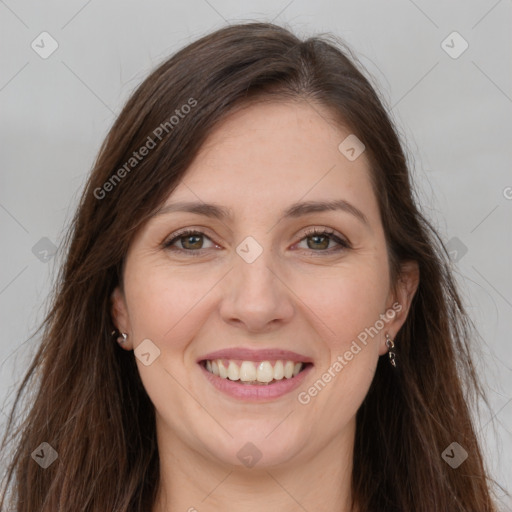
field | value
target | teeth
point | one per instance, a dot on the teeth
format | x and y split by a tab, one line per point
250	372
247	372
223	371
288	369
278	370
265	372
233	371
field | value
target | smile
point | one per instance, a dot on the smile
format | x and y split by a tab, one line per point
252	390
253	373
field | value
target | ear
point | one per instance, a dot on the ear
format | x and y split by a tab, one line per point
120	317
401	299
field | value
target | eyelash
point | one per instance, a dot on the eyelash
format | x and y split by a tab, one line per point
344	244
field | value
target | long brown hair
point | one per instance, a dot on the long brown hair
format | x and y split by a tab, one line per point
89	403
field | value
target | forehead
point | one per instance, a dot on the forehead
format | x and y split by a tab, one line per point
271	154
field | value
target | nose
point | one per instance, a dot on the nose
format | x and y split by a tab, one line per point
255	296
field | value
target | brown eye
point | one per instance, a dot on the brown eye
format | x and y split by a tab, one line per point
187	241
191	241
318	240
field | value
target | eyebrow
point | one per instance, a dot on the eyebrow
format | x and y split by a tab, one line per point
294	211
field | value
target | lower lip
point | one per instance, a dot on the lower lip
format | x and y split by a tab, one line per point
256	392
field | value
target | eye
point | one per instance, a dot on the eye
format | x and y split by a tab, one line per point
188	240
191	241
318	240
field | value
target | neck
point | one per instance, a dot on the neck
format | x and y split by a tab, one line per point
192	482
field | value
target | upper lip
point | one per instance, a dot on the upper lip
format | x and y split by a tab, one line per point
248	354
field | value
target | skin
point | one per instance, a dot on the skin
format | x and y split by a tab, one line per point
258	162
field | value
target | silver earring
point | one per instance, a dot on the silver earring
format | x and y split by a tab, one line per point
391	345
121	336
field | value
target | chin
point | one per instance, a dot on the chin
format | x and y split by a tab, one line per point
256	448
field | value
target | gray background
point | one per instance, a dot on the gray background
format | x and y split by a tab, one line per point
454	115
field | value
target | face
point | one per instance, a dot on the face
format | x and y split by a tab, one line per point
268	276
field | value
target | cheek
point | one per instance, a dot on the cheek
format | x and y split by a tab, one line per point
167	307
351	308
162	300
344	378
346	302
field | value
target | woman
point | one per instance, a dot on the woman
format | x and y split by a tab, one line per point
253	313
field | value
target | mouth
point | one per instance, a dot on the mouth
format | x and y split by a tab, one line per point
255	373
255	376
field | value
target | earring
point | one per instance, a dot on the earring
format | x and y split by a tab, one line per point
121	336
391	345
